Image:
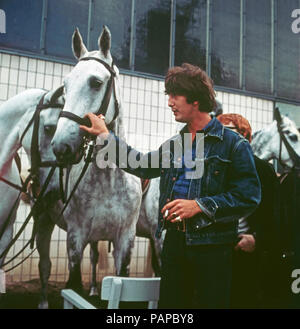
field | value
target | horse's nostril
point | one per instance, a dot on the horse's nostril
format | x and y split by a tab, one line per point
61	151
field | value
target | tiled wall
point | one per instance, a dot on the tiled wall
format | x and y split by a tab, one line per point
148	122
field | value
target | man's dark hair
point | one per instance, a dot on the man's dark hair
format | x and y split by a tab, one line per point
193	83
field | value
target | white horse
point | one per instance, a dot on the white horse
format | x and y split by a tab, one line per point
14	117
267	145
107	202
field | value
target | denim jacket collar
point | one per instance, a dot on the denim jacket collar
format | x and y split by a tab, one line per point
214	129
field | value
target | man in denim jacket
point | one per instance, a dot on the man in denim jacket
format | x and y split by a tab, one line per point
199	211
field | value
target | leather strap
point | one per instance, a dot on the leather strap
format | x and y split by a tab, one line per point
106	99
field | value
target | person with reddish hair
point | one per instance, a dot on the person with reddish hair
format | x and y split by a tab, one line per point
254	259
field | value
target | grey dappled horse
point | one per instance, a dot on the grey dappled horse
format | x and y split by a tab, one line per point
107	202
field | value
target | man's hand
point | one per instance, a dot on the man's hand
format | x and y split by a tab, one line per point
247	243
181	207
98	125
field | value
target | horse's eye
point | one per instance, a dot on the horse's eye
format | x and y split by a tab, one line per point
49	130
95	83
293	137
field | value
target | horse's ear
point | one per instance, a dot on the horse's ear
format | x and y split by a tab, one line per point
78	46
56	94
104	41
277	115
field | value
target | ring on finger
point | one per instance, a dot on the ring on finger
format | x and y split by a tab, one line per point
178	219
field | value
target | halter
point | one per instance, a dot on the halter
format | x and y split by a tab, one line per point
293	155
33	176
105	102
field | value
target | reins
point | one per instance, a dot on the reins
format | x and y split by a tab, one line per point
36	162
33	176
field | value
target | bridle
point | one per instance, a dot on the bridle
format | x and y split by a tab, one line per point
106	99
36	161
33	177
292	154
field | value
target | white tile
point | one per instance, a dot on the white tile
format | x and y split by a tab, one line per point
148	85
141	83
134	82
139	112
32	64
23	63
154	99
57	69
31	79
4	75
148	98
147	129
126	81
22	78
5	60
41	66
231	99
147	113
14	62
126	95
3	92
12	91
65	69
49	68
48	82
141	96
133	96
154	113
57	82
155	86
39	83
133	110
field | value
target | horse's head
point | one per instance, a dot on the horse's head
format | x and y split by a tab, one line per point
86	90
267	144
39	149
48	122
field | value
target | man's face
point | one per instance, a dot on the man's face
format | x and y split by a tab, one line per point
183	111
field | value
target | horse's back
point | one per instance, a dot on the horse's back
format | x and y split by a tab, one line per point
21	101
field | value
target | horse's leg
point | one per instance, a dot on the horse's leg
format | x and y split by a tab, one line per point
43	237
94	255
75	248
122	252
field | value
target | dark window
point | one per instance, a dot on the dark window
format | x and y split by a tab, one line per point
190	32
116	15
258	46
152	36
288	61
23	24
62	18
225	43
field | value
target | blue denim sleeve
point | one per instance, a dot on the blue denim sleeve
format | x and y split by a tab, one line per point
243	194
130	160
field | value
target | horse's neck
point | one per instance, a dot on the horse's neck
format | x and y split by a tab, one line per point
118	126
14	117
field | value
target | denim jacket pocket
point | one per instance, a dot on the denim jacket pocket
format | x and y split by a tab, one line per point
215	168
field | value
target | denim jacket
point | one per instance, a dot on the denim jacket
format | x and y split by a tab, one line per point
228	189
